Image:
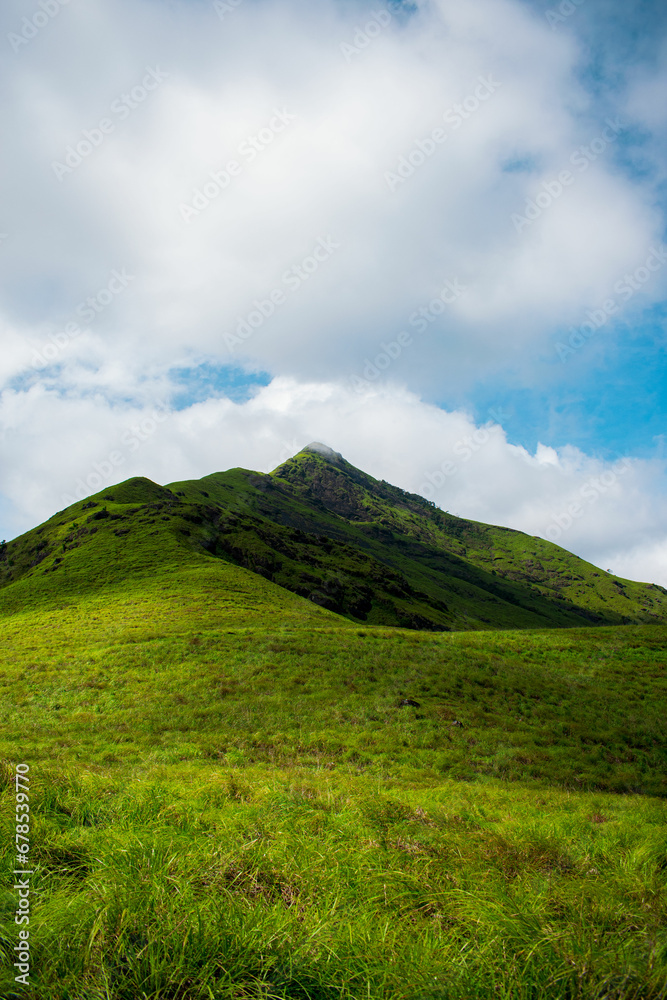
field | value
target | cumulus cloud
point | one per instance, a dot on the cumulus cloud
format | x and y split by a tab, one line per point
314	134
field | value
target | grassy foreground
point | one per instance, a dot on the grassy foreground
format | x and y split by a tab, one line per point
222	811
213	881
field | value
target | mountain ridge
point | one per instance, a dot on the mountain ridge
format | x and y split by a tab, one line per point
328	532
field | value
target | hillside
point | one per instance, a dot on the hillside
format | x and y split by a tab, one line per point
227	803
239	791
341	541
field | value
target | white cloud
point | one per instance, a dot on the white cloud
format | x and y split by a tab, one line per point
323	174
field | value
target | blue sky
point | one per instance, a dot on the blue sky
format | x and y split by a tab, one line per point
611	402
205	381
230	230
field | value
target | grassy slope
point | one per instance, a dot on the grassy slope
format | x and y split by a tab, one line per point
455	573
132	570
549	569
329	533
229	799
581	708
216	808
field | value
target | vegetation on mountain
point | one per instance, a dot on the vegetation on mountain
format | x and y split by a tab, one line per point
328	532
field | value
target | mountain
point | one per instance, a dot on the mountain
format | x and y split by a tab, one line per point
317	527
238	789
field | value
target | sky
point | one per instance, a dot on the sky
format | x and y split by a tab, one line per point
429	234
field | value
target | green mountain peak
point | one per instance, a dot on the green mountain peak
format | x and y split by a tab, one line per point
320	529
325	451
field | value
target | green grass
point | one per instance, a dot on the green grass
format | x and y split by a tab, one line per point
230	798
192	880
582	708
251	813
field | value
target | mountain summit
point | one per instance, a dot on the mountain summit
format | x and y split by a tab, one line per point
356	548
325	451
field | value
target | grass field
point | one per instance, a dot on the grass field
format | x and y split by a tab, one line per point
238	792
250	812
